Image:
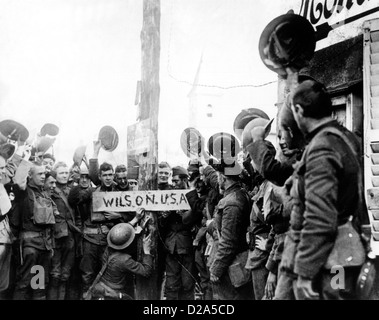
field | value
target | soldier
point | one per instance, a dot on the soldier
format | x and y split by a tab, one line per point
6	235
203	200
64	230
120	177
230	223
36	231
119	267
180	264
327	200
48	161
94	232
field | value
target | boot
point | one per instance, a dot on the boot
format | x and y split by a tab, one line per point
52	292
62	290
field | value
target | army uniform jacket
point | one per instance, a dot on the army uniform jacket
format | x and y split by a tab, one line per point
327	190
231	221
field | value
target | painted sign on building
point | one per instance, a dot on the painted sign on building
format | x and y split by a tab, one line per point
343	16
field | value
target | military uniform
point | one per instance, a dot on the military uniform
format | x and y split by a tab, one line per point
180	264
326	196
64	253
231	220
118	274
37	242
94	233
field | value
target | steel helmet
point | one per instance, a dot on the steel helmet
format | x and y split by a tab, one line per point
120	236
223	145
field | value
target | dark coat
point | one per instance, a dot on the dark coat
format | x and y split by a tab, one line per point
326	184
231	220
263	155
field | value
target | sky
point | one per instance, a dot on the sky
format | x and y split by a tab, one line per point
76	63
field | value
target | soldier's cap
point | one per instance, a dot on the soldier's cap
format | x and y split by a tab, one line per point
179	171
51	173
289	40
193	169
48	156
13	130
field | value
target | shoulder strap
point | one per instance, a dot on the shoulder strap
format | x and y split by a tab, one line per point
88	294
64	198
347	141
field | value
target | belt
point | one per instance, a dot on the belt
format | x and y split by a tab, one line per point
98	230
31	234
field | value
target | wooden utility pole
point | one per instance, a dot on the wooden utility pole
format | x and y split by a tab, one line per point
149	289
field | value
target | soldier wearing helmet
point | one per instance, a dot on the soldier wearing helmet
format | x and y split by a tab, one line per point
118	265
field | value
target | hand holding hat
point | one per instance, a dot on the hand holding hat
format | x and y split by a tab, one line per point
256	129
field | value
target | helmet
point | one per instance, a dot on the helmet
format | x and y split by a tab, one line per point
120	236
228	166
287	41
244	117
223	145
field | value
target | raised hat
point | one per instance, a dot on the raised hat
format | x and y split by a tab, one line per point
257	122
223	145
191	142
7	150
13	130
50	129
244	117
79	154
43	144
287	41
109	138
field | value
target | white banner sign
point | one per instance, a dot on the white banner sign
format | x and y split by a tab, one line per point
162	200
